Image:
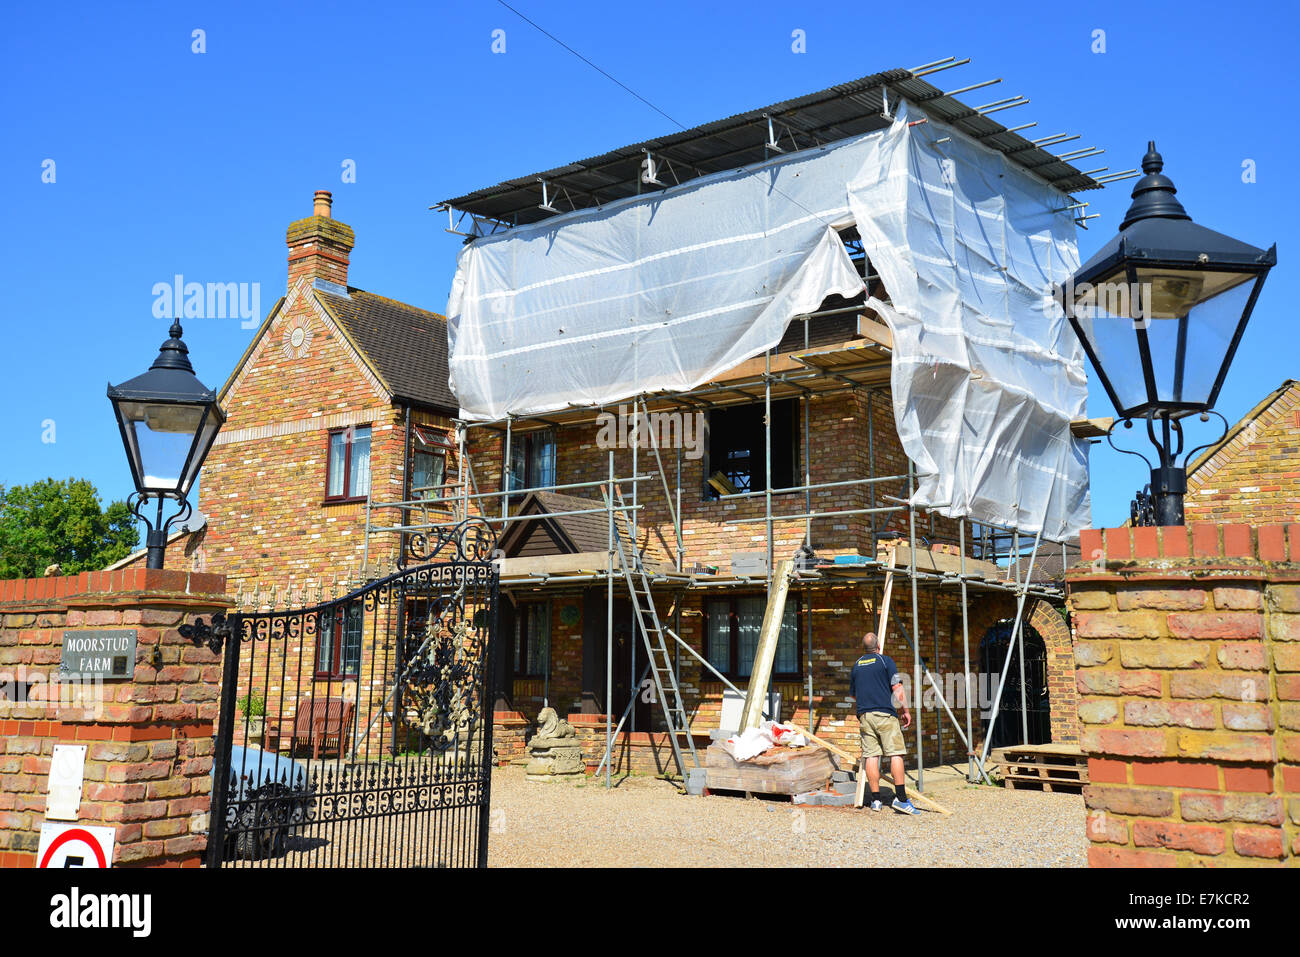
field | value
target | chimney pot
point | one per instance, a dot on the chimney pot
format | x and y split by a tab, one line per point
319	245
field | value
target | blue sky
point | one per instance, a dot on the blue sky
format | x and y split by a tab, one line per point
169	161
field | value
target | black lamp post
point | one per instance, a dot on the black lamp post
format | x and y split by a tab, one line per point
168	420
1160	310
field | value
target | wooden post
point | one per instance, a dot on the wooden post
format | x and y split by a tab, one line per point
765	653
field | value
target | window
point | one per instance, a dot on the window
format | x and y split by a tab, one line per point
338	643
532	639
428	470
738	446
532	460
347	474
731	630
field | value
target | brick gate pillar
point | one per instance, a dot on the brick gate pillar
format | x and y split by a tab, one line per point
1188	669
148	733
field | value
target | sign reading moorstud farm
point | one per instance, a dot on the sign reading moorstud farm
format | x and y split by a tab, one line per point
105	654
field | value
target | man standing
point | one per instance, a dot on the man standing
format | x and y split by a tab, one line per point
879	692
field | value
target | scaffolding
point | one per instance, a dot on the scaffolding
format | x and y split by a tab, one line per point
859	365
881	507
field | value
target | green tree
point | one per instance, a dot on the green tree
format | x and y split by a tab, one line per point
61	522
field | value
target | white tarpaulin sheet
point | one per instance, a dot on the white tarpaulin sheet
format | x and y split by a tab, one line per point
670	290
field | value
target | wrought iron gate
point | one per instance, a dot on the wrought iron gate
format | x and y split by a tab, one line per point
358	731
1037	716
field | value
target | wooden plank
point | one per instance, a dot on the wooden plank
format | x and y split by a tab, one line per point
751	716
883	625
1043	774
929	802
1041	784
1050	767
1073	750
876	331
820	743
781	362
570	564
941	563
1091	428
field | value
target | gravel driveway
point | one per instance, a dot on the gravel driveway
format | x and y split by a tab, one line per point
645	822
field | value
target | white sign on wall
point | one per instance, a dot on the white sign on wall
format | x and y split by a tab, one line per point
67	772
75	845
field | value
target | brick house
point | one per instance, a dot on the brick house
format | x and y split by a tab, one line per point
1253	475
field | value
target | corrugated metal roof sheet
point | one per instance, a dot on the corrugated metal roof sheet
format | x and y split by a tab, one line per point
836	113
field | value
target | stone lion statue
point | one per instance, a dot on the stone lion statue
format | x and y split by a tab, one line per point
554	751
550	725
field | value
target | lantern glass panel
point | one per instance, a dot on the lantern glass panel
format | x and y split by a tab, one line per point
1194	317
1103	316
207	435
161	435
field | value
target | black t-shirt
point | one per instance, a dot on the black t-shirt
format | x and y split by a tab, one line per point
872	682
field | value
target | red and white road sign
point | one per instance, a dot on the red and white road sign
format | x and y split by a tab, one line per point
75	845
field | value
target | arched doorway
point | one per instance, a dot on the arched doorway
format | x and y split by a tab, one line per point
1009	729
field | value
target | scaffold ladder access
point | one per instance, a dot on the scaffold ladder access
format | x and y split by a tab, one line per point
652	635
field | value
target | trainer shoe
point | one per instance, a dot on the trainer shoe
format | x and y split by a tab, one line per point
876	805
905	807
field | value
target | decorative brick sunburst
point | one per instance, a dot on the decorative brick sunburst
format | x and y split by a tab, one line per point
297	339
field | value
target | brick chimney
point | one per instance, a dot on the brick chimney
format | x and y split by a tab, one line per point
319	245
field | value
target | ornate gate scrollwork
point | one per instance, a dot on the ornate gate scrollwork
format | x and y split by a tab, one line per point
473	540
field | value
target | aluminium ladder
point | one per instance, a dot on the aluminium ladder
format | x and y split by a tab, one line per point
652	635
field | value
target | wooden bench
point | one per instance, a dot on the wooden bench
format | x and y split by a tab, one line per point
320	724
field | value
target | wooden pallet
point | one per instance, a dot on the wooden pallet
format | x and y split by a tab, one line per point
786	771
1042	767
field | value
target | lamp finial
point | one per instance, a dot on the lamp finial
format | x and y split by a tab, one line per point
1153	194
1153	162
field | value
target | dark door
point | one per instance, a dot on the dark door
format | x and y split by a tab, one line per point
503	693
1009	729
629	653
629	663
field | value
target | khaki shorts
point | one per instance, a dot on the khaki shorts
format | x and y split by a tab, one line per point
881	734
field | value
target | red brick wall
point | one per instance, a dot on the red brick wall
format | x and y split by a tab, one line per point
1189	682
149	738
1062	689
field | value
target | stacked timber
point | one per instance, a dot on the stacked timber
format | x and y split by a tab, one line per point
776	771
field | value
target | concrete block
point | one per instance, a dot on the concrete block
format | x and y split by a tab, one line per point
696	780
837	800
